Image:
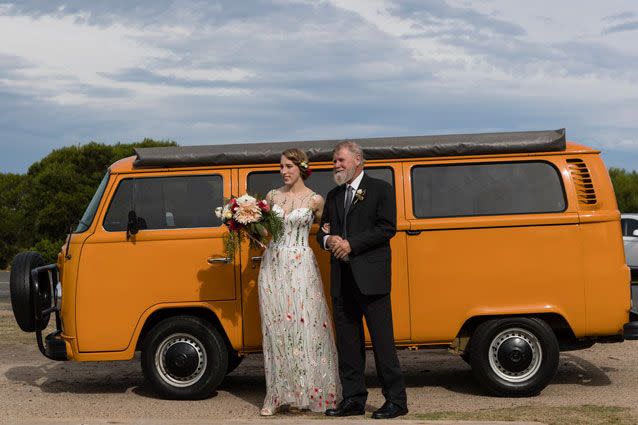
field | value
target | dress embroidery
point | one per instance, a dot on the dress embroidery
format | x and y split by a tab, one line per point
300	357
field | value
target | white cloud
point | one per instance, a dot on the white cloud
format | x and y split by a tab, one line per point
201	72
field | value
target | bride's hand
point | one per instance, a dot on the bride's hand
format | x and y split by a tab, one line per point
326	228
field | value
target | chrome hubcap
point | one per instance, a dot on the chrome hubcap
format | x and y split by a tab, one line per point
181	360
515	355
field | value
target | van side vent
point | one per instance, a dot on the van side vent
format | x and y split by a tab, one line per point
582	181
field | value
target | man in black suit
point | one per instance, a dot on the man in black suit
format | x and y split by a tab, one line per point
361	212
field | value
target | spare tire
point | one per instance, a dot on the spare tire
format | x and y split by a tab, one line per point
20	283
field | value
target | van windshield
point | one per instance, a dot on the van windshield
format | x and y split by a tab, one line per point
89	214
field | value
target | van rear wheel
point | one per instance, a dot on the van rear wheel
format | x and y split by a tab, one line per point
514	357
184	358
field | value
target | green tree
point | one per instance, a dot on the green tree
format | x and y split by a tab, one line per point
626	189
37	209
12	200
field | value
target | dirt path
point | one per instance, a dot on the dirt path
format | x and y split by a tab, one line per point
33	388
4	286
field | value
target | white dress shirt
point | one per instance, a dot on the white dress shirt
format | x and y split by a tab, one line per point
355	185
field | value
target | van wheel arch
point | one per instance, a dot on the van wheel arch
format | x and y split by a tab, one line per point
198	312
556	322
234	358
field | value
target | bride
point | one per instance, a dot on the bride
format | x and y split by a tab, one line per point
300	358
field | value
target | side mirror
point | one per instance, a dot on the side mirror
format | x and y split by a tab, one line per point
635	232
132	226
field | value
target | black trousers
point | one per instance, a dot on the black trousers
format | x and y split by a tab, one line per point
348	310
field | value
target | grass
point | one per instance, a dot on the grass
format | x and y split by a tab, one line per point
563	415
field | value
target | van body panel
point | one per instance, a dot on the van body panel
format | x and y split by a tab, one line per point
607	277
150	268
227	312
506	269
68	267
460	267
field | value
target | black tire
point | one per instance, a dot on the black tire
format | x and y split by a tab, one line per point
514	357
234	360
184	358
22	302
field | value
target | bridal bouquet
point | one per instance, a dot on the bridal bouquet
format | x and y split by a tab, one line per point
249	217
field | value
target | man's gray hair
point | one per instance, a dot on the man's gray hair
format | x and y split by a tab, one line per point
352	147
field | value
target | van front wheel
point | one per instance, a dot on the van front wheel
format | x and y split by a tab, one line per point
184	358
514	357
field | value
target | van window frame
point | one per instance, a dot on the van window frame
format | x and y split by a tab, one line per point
393	183
106	212
94	205
535	161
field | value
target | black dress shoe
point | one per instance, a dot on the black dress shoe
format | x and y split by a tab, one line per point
347	407
389	410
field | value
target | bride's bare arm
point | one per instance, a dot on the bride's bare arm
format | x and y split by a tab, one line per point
316	204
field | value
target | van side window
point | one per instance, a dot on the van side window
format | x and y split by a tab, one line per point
629	225
321	181
486	189
166	202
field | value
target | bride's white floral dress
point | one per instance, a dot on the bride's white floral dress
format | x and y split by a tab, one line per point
300	357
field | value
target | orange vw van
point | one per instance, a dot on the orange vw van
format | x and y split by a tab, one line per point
508	250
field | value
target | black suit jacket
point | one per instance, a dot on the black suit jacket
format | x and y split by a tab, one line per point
372	222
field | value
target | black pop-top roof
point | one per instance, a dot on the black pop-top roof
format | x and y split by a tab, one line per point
374	148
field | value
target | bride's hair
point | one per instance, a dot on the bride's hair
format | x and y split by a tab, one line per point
300	159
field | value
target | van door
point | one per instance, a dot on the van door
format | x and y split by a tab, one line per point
261	181
176	257
490	238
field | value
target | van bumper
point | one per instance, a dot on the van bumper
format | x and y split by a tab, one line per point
630	330
53	346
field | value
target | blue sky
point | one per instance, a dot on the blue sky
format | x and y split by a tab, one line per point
207	72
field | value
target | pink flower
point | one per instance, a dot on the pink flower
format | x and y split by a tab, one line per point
264	206
302	320
325	325
288	316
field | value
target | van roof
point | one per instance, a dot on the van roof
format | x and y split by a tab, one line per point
529	142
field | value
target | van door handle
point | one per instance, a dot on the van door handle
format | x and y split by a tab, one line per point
413	232
255	260
216	260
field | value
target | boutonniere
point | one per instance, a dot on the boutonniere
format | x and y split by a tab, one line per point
359	195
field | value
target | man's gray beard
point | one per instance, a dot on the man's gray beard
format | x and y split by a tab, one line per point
343	176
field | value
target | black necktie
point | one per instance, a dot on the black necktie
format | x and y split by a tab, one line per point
349	190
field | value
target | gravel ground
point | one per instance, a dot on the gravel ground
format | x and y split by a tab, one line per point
4	286
36	390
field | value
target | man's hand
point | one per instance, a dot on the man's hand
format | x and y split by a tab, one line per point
332	241
341	249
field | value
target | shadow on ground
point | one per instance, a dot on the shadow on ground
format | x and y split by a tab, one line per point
421	369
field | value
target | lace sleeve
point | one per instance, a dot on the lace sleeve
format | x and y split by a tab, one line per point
270	196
